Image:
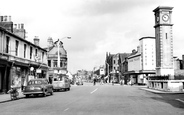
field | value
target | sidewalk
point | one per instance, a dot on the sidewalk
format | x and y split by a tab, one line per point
159	91
6	97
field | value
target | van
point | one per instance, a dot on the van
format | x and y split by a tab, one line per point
61	82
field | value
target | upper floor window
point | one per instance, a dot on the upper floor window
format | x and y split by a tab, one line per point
25	48
7	44
36	52
42	55
55	63
49	63
16	47
31	51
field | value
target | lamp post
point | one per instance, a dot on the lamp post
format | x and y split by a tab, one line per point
59	40
107	70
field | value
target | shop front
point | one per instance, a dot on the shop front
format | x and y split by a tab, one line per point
4	74
18	74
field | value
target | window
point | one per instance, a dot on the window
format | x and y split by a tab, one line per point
61	63
42	56
36	52
7	44
166	35
16	47
25	47
49	63
55	63
31	51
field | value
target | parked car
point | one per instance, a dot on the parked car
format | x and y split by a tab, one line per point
61	83
38	86
79	82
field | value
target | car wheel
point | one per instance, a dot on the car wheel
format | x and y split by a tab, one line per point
44	94
27	96
68	89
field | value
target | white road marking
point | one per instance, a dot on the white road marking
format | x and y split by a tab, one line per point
94	90
180	100
66	109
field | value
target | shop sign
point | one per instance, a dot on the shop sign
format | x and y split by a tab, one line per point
62	72
55	71
4	57
38	71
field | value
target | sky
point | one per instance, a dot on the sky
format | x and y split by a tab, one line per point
95	26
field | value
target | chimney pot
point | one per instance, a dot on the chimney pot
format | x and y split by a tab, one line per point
36	40
9	18
22	26
5	18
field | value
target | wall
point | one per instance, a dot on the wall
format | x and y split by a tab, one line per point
134	63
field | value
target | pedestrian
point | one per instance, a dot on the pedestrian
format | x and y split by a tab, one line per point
94	80
113	81
121	82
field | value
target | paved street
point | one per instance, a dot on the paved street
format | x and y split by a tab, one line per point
97	100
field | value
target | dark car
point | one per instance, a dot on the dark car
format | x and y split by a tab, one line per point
38	86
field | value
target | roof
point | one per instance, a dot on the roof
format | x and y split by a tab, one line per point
53	50
16	36
134	54
147	38
163	7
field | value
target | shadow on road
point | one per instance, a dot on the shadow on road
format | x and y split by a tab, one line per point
171	99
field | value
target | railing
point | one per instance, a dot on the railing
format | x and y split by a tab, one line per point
158	77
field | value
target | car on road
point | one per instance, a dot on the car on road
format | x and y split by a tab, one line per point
61	82
38	86
79	82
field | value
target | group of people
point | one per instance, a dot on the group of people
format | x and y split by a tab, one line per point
105	80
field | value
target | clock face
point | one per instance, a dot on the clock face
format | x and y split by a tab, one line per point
165	17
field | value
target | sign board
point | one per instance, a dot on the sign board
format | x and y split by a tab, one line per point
62	71
38	71
102	72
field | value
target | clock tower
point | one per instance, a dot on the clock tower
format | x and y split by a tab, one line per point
164	41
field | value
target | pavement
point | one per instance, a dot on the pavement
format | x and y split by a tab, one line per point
6	97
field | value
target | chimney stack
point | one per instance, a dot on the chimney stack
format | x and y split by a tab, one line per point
18	29
36	40
50	42
6	23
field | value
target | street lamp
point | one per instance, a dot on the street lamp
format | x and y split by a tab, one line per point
107	71
59	40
